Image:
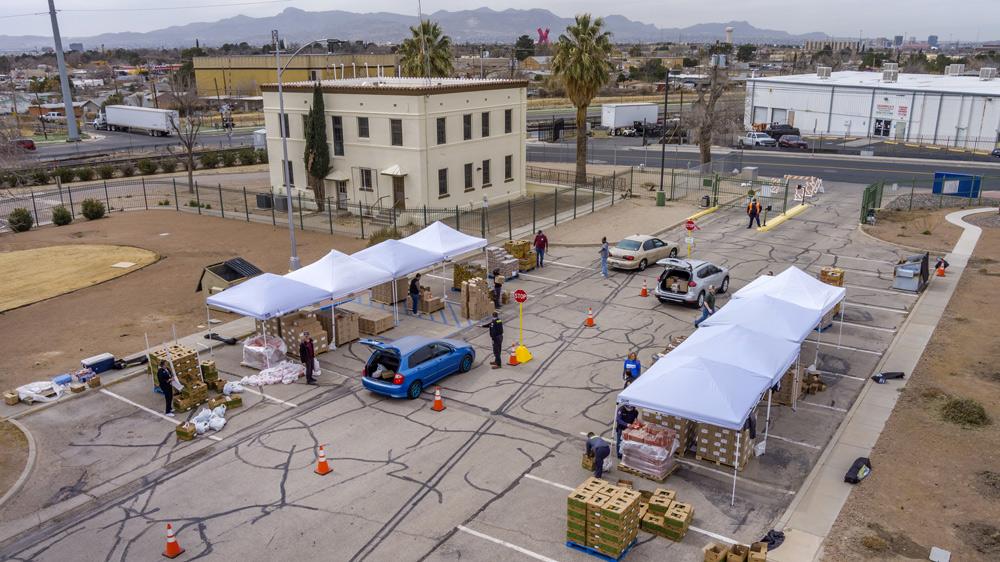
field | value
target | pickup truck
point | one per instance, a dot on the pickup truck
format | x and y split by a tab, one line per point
778	131
756	139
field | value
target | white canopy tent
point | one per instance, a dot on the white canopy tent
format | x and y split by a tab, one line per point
266	296
765	356
399	259
797	287
784	319
340	275
443	241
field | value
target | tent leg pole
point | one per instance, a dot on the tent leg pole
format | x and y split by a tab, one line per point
767	418
797	378
732	500
840	337
208	323
395	304
333	328
267	360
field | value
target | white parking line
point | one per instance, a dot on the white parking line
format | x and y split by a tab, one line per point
700	466
173	421
858	349
511	546
794	442
834	408
526	275
877	307
832	374
877	290
569	265
880	329
549	482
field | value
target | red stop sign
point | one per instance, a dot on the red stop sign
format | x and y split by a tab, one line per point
520	295
690	225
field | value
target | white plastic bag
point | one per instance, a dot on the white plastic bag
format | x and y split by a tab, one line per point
176	383
608	463
316	369
217	423
201	427
232	388
203	416
219	411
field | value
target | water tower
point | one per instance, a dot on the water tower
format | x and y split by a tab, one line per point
729	35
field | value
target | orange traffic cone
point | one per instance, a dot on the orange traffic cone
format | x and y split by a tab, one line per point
940	271
644	292
322	467
513	356
590	318
438	403
173	548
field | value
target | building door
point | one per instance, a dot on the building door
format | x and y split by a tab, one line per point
759	114
779	116
901	130
341	194
398	193
882	127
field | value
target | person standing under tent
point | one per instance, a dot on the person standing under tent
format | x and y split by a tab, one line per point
163	379
604	252
599	449
307	354
626	416
497	287
541	245
415	292
707	307
496	336
753	211
633	368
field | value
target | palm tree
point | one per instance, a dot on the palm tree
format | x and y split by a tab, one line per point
583	62
437	57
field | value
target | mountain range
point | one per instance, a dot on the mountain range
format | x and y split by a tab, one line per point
464	26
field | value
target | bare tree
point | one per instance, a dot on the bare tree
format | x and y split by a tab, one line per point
189	125
707	118
13	158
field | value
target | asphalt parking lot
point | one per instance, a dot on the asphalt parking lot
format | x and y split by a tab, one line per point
484	480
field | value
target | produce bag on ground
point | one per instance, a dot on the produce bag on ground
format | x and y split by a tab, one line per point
260	352
285	372
232	388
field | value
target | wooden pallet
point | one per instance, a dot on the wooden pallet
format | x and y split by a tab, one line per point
642	474
597	553
707	460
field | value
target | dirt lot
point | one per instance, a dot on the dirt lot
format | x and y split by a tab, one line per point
15	454
936	483
50	337
924	229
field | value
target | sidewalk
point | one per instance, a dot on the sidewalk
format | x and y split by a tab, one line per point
812	513
625	218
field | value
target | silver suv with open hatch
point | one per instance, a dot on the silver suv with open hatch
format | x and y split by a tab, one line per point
687	281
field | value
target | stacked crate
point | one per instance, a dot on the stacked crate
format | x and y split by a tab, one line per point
666	517
685	429
832	276
210	374
346	327
499	259
383	293
603	517
428	302
462	272
293	329
477	298
718	444
522	250
183	362
789	389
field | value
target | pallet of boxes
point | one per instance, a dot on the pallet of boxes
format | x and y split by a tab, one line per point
664	516
384	293
476	298
723	446
462	272
684	428
602	519
756	552
183	363
499	259
292	327
429	303
648	451
831	276
522	250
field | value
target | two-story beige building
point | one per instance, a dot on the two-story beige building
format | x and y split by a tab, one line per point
407	142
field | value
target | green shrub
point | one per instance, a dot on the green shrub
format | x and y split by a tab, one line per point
85	174
93	209
207	206
147	167
105	171
194	203
168	166
41	177
65	175
228	158
61	216
248	156
163	203
966	412
209	159
384	234
20	220
262	156
127	170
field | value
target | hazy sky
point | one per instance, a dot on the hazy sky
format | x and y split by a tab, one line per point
957	19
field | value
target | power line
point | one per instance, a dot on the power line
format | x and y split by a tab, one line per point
164	8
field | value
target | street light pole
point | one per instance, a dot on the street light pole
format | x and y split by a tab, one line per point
293	260
663	139
72	133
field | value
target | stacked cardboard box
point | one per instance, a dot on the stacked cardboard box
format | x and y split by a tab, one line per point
346	328
603	517
186	431
685	429
373	322
210	374
499	259
11	397
811	384
184	364
715	552
383	293
718	444
462	272
477	298
789	389
428	302
522	250
293	329
756	552
832	276
667	517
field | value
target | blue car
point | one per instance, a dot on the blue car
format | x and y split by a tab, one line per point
403	368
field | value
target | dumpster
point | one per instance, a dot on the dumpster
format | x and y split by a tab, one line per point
912	273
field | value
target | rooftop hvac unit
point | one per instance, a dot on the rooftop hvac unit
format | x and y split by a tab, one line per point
823	72
890	75
890	66
954	69
986	74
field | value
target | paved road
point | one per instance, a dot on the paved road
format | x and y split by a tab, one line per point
126	143
829	167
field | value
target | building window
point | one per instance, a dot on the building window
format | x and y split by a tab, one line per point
283	125
338	135
468	177
363	127
442	138
396	130
486	123
314	75
508	120
443	182
486	173
288	173
366	179
508	167
467	126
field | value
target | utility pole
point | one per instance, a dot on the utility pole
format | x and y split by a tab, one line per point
293	259
13	99
72	133
663	139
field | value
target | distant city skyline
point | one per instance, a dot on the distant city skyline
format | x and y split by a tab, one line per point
846	18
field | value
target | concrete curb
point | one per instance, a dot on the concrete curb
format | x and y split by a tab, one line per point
775	222
28	466
66	398
700	214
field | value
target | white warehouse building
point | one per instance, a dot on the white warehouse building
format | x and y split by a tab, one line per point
946	110
406	142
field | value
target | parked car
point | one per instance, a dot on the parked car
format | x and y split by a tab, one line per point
402	368
53	116
792	141
996	152
24	144
687	281
757	139
778	131
637	252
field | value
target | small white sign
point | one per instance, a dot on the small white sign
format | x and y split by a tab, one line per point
689	240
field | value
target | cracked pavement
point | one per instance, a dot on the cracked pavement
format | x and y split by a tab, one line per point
412	484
